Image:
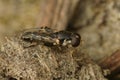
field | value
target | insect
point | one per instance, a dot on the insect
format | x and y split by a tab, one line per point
49	37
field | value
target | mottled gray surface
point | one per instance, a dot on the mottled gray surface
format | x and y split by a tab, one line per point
100	30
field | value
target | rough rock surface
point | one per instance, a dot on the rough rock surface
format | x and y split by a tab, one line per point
45	63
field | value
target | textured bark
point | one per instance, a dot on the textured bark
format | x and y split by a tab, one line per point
56	13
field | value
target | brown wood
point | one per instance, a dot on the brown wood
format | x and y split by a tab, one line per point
56	13
112	62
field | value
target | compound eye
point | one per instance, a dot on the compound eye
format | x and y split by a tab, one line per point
75	40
